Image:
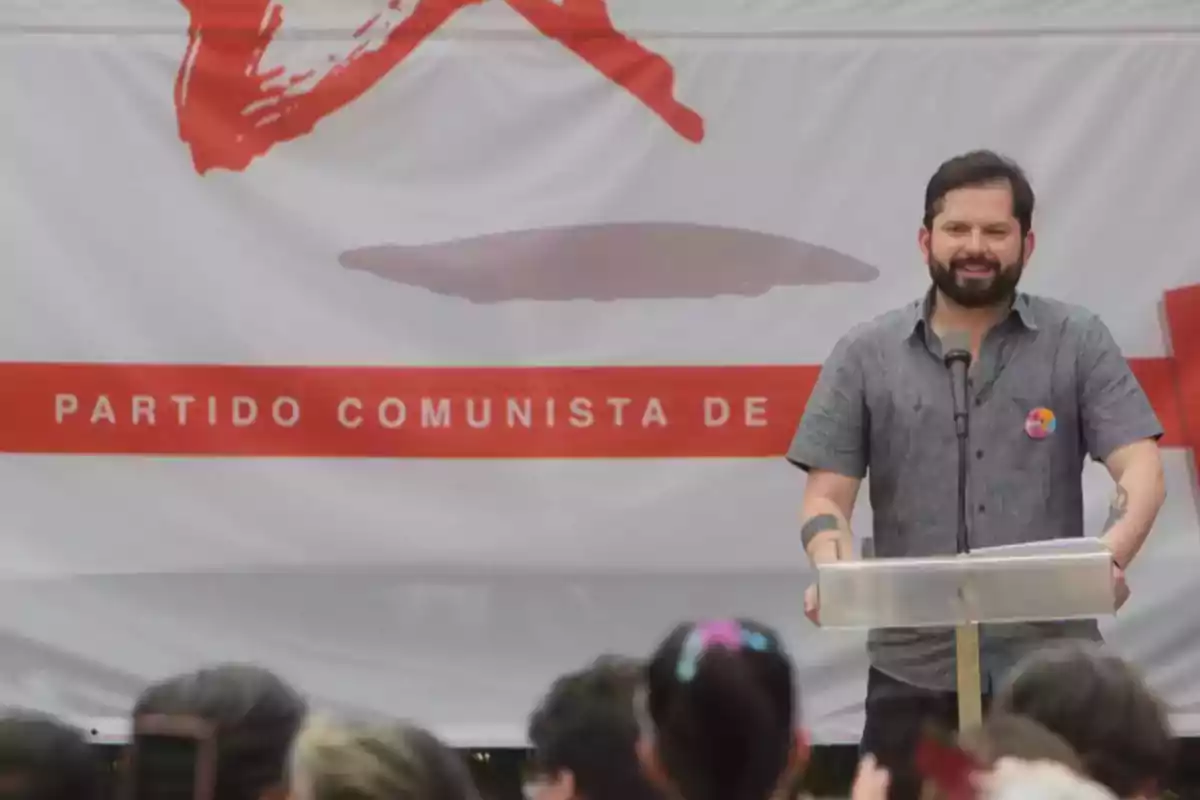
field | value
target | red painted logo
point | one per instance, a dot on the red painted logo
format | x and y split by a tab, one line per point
232	110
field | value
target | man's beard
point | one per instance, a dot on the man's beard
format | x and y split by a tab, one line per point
980	290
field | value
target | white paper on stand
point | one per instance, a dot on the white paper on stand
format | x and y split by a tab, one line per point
1075	545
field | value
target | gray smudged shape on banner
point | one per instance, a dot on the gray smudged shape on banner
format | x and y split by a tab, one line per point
644	260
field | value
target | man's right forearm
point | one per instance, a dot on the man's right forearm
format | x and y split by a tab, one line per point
825	532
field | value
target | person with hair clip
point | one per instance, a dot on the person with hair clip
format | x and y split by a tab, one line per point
718	713
219	733
336	761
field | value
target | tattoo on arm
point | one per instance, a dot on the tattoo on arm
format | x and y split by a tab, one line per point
1117	508
818	524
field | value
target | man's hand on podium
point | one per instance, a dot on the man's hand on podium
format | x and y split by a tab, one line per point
812	605
825	552
829	500
1120	587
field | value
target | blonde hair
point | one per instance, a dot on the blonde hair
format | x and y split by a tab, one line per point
344	761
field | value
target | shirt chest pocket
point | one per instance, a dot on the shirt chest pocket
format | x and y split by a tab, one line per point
1035	432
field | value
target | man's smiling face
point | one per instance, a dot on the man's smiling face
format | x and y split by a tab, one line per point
975	248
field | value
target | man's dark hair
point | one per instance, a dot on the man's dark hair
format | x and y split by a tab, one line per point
586	725
252	716
42	758
980	168
1102	708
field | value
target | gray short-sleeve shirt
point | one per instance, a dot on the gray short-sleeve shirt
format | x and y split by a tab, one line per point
882	407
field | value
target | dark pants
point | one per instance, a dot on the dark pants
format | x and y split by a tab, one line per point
897	715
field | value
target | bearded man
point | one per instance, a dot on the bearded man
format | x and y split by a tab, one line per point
1048	387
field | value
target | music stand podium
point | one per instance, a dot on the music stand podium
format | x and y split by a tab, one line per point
1060	579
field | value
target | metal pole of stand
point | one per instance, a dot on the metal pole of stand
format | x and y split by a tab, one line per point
970	684
966	636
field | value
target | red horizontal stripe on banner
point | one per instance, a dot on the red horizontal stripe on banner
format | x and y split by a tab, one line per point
553	412
519	412
1181	309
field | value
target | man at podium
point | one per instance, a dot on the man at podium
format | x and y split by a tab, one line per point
1046	387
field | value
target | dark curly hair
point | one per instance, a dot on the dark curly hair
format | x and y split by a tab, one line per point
586	725
228	728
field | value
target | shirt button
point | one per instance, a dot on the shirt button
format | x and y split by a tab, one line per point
979	454
982	508
978	402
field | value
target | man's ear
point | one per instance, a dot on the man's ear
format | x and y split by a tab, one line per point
923	243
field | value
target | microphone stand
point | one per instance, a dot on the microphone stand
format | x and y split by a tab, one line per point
966	635
962	429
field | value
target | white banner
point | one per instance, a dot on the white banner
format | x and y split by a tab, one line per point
424	352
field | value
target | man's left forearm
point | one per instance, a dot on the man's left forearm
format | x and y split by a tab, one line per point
1140	494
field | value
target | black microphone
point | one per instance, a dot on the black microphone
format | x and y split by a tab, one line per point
956	352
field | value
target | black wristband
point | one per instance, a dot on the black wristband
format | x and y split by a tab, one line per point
818	524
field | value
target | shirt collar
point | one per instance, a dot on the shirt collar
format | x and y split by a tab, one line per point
920	310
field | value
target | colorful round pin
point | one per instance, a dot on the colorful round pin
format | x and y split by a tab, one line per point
1040	423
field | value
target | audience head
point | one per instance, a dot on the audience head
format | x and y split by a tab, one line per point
981	749
222	732
1010	736
584	736
42	758
334	761
1102	708
720	708
1015	779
